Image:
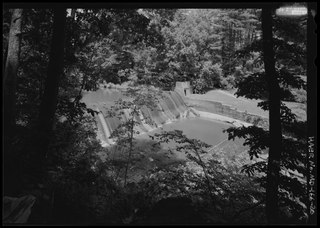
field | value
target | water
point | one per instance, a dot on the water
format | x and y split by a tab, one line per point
169	109
206	130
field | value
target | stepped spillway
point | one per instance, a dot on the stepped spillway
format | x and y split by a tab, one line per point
169	108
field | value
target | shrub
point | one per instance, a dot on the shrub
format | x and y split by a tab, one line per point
209	78
228	82
76	173
300	95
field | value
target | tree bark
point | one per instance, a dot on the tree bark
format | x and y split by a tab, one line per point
55	69
11	70
273	172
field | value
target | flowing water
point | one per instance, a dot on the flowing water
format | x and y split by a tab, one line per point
170	108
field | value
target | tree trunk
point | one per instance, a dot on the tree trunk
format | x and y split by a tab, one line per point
131	146
55	69
73	14
273	172
11	70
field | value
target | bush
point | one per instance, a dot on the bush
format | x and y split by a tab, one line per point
76	173
300	95
209	78
239	72
228	82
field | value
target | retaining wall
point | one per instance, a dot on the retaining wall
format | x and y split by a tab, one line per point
226	110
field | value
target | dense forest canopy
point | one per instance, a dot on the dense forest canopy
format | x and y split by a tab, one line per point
148	46
52	56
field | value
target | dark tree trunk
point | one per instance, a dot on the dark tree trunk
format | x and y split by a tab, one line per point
55	69
73	14
272	198
11	70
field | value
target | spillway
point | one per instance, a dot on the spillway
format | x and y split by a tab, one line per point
170	107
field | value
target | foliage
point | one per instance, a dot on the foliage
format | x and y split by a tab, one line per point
139	97
79	177
290	64
191	147
155	47
240	28
254	86
255	137
200	44
218	191
292	165
192	45
290	55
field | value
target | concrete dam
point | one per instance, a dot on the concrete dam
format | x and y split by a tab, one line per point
171	107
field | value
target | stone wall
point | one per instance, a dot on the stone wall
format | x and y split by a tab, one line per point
184	89
225	110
